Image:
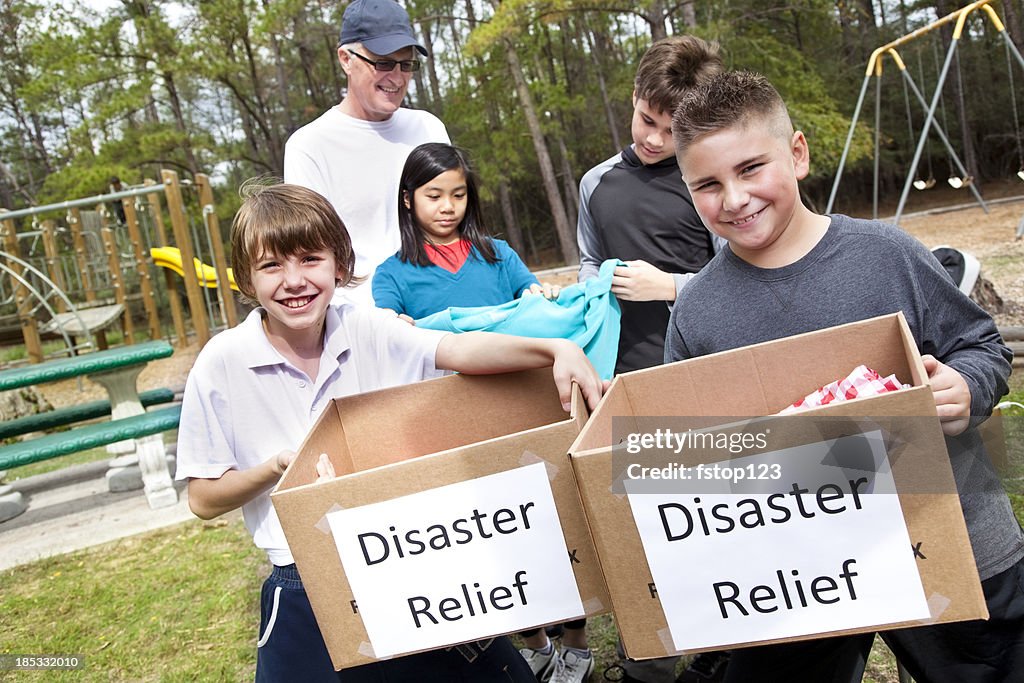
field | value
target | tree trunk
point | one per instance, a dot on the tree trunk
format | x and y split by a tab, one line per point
437	102
308	61
968	153
904	26
513	231
261	112
137	11
688	15
655	18
12	182
179	120
1013	27
867	22
602	85
281	74
564	233
845	30
569	182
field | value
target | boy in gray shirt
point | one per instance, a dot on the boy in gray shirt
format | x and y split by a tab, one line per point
788	270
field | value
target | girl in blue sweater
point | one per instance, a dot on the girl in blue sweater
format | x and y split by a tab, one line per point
447	258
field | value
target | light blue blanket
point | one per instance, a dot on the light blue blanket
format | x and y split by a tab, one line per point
586	313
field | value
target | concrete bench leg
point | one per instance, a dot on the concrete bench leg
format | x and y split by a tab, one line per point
12	503
147	468
145	457
124	400
156	477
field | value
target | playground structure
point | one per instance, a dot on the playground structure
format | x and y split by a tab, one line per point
74	268
170	258
874	70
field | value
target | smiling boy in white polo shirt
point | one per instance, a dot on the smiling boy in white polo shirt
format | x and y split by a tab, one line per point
256	390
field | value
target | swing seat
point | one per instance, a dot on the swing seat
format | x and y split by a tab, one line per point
1020	174
957	183
921	184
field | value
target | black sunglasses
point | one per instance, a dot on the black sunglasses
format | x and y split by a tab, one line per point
406	65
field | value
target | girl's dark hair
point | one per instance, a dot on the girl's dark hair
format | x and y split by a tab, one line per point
425	163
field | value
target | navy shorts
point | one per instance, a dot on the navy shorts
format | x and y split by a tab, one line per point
291	648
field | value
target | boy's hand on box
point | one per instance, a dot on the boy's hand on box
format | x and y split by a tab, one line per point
640	281
324	469
952	395
282	460
571	365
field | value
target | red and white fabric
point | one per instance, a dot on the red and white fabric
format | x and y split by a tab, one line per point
863	381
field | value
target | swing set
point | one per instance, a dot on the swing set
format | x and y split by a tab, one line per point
912	91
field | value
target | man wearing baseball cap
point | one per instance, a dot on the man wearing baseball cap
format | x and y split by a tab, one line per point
354	152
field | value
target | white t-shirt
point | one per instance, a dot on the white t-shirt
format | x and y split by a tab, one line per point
244	403
357	166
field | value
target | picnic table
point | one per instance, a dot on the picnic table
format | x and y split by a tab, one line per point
131	432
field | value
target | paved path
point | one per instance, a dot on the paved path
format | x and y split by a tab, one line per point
71	509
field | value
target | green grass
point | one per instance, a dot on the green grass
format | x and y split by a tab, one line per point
178	604
10	354
54	464
1013	428
91	455
115	337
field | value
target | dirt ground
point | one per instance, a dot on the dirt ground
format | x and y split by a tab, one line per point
991	238
936	217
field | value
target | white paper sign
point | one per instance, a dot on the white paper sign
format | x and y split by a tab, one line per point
458	563
819	548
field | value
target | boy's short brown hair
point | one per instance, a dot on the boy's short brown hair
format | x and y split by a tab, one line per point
286	219
726	100
671	67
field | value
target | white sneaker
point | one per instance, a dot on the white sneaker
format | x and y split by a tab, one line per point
571	667
541	664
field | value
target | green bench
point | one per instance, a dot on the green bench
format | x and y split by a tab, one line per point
131	431
89	436
68	415
111	360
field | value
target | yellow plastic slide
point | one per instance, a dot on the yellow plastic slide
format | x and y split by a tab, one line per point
170	257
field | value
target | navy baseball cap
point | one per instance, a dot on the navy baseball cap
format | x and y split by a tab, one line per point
382	26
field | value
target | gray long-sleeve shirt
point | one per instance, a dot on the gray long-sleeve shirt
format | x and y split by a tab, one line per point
634	211
858	270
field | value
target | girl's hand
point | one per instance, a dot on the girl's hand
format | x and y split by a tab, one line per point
549	290
571	365
952	396
640	281
401	316
324	469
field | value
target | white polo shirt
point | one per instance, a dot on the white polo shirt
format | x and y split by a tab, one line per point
244	403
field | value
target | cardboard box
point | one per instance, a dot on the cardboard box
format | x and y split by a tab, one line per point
756	381
416	438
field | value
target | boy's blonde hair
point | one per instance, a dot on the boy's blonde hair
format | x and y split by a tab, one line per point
729	99
671	67
286	219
